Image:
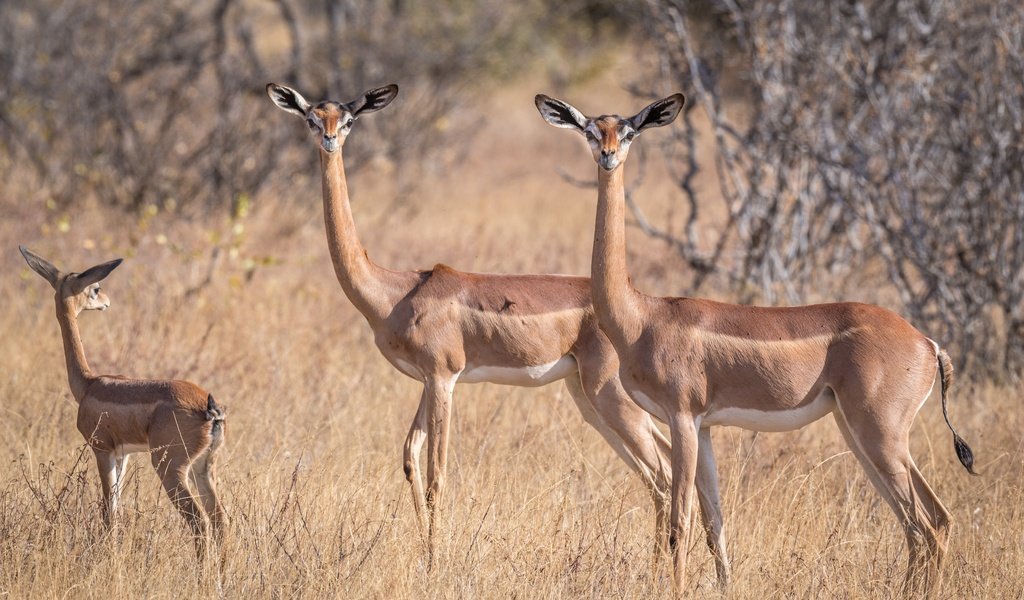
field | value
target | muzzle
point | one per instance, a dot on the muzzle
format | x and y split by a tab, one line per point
608	162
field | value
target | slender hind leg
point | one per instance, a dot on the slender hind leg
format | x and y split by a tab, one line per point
172	464
885	454
866	464
203	480
203	477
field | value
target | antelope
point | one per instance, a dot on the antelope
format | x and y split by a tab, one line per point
695	363
442	327
178	423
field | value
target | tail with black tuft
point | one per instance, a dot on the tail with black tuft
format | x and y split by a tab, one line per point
216	414
963	451
213	412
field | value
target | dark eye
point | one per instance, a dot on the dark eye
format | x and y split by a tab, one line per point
311	123
350	122
629	136
590	136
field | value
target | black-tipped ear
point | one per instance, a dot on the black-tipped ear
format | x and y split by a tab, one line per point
659	113
559	113
91	275
373	100
40	265
288	99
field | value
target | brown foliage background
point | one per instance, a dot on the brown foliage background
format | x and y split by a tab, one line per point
858	135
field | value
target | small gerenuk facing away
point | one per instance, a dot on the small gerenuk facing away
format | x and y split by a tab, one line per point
177	423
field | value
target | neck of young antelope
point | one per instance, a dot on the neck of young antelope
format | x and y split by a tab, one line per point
79	373
366	284
615	300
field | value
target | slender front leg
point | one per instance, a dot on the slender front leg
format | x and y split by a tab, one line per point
413	446
438	393
684	469
122	466
711	505
106	463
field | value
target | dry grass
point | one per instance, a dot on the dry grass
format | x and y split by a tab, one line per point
538	506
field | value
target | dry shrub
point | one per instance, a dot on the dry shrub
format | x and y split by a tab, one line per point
162	104
855	136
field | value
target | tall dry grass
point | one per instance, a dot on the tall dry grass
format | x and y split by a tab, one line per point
538	506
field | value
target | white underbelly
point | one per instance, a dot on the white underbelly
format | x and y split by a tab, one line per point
408	368
645	402
529	376
772	420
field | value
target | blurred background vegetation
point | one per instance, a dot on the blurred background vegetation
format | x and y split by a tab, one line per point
862	149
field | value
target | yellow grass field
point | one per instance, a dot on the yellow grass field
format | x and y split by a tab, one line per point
538	506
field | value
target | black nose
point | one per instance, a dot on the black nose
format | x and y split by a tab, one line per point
330	137
605	152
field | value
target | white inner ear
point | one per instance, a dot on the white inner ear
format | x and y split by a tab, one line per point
300	101
283	97
576	114
553	116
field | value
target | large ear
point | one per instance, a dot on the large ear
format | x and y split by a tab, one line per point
373	100
660	113
40	265
91	275
560	114
288	99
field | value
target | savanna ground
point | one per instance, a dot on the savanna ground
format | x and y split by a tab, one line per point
538	506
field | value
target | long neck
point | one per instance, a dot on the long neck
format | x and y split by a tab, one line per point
79	373
363	282
615	300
